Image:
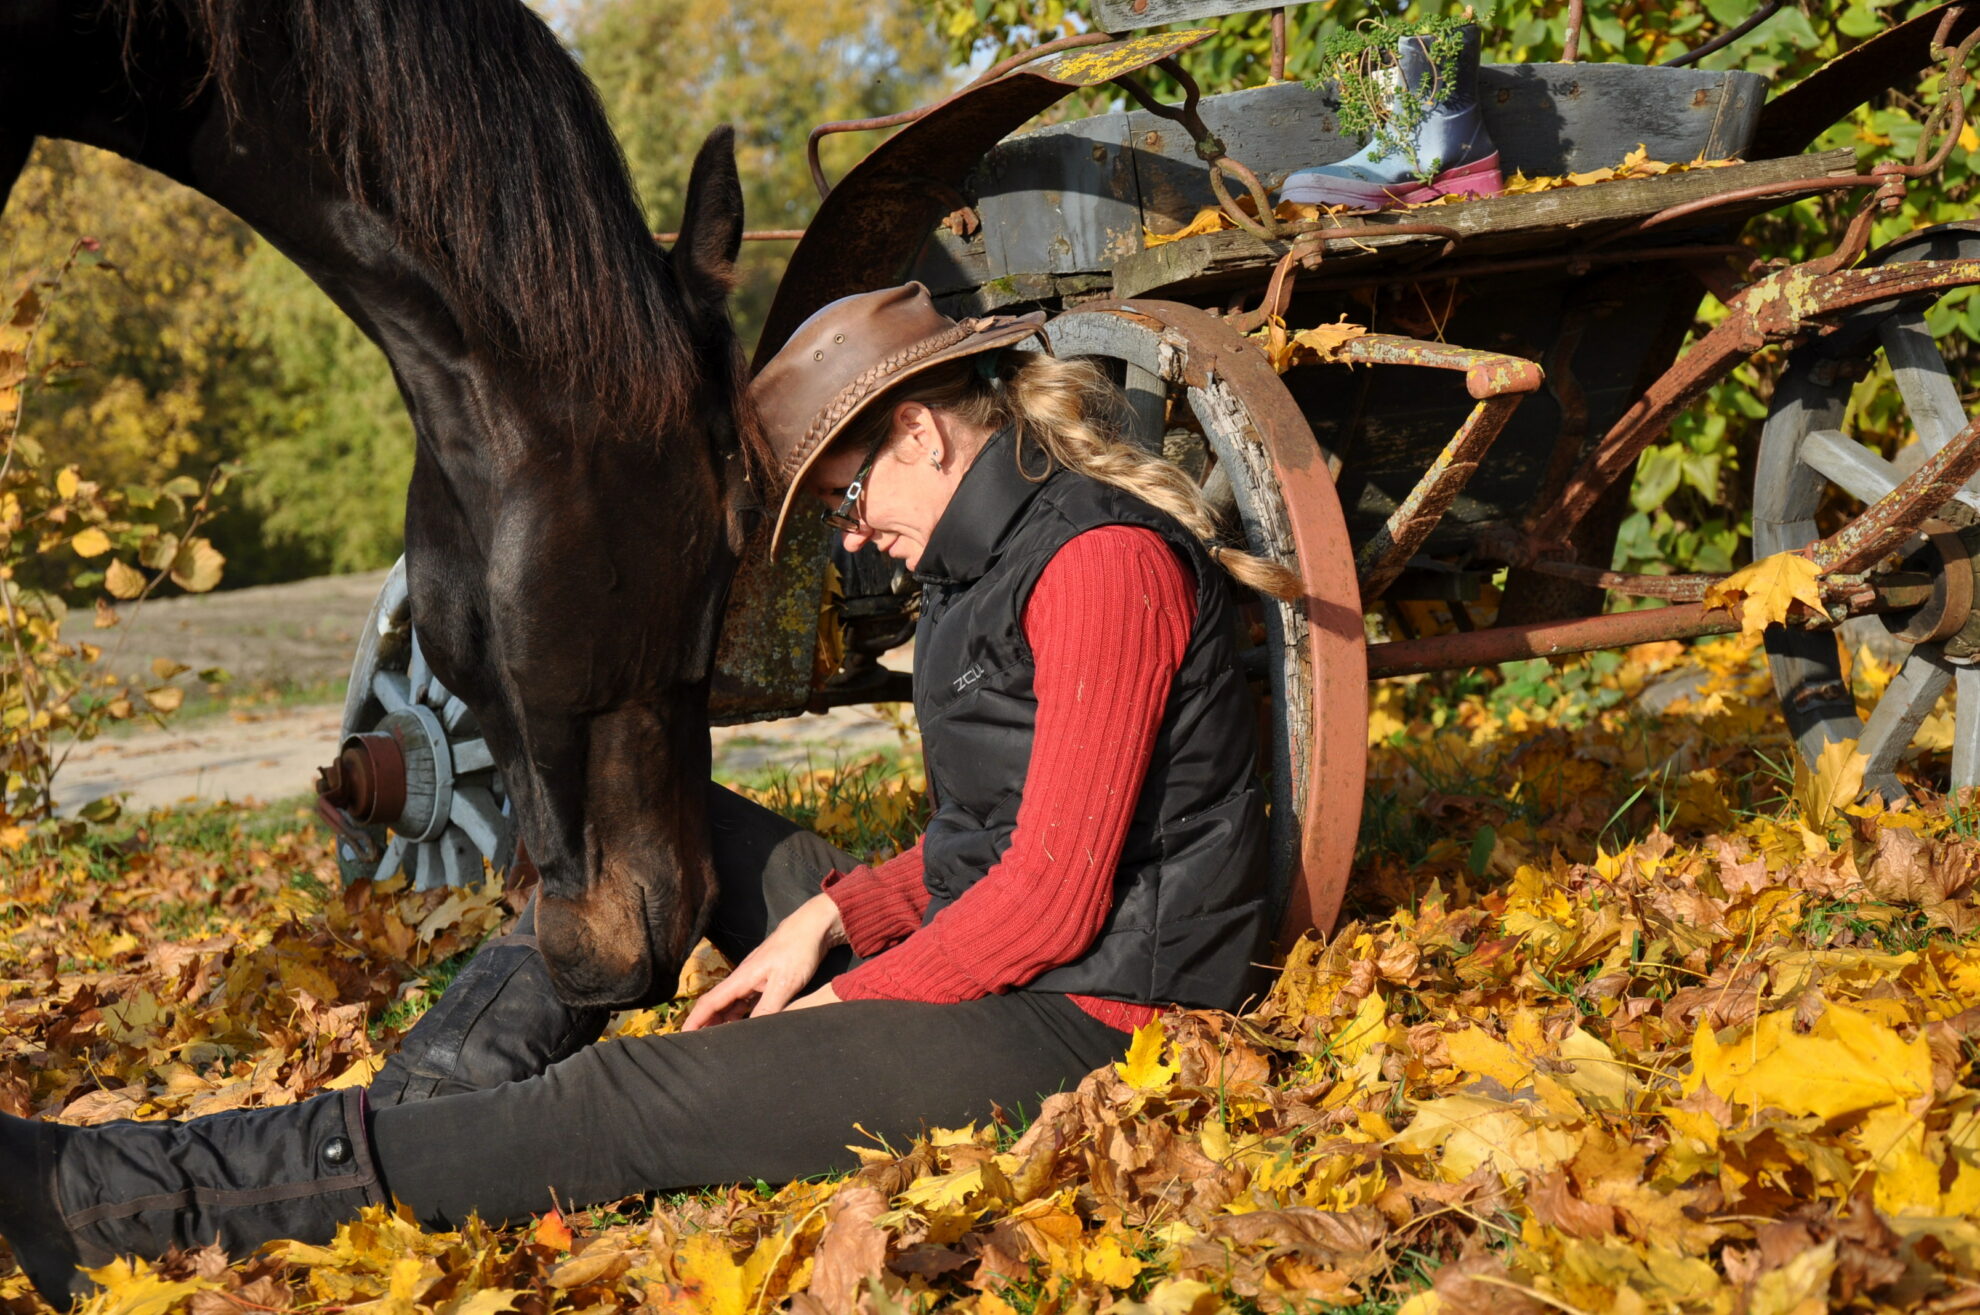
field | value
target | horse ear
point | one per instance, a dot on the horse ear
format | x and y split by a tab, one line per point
712	227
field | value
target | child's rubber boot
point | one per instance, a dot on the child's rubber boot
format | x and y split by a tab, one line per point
1452	140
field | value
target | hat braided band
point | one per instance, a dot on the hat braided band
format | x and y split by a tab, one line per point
856	392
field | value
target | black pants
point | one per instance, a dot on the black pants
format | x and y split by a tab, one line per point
773	1098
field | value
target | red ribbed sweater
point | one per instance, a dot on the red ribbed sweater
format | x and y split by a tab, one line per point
1107	623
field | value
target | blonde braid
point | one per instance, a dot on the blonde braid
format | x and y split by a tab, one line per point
1056	403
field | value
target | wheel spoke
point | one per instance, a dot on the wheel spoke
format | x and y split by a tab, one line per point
1858	471
454	713
418	674
1929	392
426	869
1909	699
395	857
472	756
392	691
1849	465
1966	728
479	817
460	861
1148	400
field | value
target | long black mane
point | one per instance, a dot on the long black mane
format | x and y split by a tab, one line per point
468	125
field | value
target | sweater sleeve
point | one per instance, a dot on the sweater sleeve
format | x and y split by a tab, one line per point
880	904
1107	622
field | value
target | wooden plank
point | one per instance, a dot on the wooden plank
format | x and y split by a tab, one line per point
1059	200
1133	15
1545	119
1073	197
1495	226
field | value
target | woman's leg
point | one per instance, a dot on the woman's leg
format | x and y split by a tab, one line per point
774	1098
500	1020
767	866
73	1197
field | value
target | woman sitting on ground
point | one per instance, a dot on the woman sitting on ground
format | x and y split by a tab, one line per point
1096	853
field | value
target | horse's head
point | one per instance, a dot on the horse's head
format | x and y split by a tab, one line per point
571	593
447	175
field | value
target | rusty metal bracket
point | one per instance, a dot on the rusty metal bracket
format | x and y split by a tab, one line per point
1775	309
1499	383
1484	648
1278	296
1210	149
1887	523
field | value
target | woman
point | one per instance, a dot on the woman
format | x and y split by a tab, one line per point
1096	852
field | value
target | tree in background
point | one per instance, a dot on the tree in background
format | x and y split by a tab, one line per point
670	70
206	345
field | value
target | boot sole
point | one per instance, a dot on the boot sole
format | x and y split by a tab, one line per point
1481	178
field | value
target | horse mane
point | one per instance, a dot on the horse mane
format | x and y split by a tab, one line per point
476	135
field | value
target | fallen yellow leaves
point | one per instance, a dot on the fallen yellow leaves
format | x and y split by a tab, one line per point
1637	164
1626	1022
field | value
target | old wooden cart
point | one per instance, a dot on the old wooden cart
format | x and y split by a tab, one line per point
1524	351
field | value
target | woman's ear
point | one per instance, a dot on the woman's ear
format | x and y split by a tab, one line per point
914	424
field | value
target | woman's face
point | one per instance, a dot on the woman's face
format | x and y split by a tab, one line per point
908	488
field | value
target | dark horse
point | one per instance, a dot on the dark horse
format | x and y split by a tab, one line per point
445	173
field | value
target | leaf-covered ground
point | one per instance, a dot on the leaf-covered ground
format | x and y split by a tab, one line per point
1628	1018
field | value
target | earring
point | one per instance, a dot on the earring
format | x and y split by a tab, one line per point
935	459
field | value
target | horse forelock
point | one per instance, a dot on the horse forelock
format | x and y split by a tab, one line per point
472	130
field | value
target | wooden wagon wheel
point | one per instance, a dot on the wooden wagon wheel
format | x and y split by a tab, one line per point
1805	454
1315	650
431	801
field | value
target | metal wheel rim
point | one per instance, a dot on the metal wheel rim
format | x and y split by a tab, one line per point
1288	511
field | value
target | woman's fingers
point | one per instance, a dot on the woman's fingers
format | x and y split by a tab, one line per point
721	1001
776	994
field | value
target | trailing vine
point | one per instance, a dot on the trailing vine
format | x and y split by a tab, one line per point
1363	64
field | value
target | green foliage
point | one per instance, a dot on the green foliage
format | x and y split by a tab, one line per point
60	535
671	70
332	445
1376	101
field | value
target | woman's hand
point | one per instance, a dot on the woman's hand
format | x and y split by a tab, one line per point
776	970
824	995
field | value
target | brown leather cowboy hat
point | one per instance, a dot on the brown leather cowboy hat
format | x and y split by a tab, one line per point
846	356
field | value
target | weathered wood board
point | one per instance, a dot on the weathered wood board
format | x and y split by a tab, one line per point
1564	218
1073	198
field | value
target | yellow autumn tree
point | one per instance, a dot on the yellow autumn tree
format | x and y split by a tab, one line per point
671	70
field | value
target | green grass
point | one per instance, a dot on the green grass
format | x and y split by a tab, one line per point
405	1011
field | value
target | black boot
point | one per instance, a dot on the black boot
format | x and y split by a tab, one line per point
500	1021
81	1197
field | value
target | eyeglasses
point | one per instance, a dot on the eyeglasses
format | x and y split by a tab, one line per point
845	517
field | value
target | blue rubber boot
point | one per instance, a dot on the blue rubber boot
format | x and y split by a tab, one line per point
1452	140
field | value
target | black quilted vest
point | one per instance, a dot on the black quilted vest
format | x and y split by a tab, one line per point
1188	919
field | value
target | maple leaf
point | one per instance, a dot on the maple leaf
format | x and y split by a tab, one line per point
133	1287
551	1231
1143	1068
1848	1063
1767	591
1833	784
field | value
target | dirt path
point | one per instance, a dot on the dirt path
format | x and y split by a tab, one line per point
297	639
